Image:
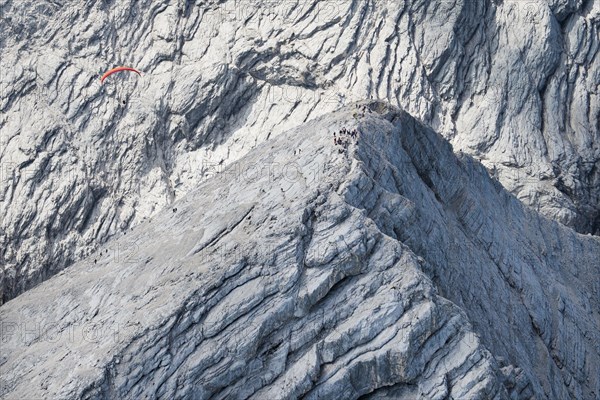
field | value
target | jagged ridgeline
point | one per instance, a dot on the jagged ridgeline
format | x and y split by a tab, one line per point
354	255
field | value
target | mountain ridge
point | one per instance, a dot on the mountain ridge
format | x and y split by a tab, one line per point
351	276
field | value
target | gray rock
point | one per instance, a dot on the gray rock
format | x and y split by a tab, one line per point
513	83
389	268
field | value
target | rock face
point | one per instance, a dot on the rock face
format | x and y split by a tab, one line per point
385	267
513	83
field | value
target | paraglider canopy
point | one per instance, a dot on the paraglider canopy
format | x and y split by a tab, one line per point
118	69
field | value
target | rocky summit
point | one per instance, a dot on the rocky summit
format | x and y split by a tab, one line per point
320	199
354	255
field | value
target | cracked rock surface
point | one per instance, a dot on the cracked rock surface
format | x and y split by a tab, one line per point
510	82
384	268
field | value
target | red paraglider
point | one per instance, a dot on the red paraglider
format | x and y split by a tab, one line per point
118	69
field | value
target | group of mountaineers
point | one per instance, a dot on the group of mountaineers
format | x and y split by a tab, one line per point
343	138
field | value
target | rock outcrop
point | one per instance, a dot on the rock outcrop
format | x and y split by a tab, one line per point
514	83
355	255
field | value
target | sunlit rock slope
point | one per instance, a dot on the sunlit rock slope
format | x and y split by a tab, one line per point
385	267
